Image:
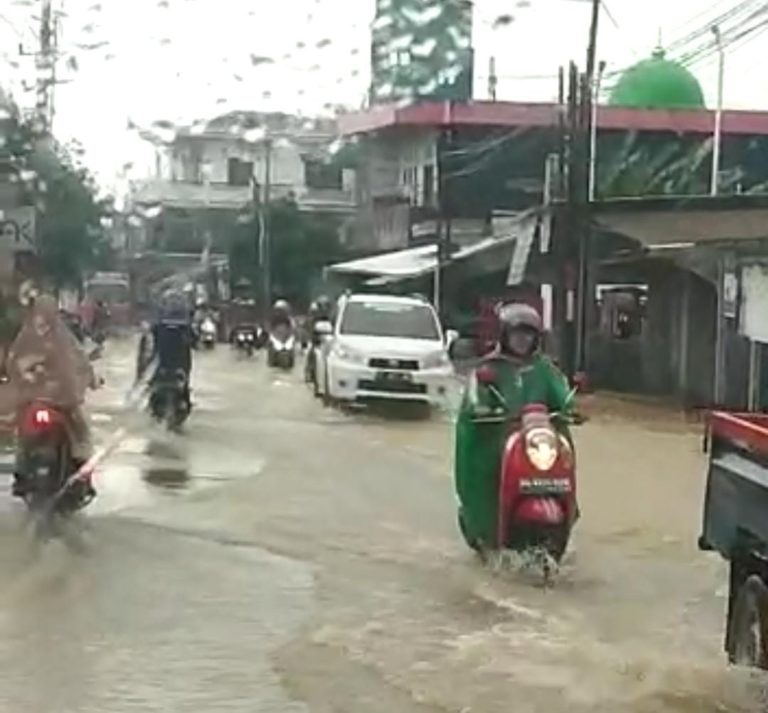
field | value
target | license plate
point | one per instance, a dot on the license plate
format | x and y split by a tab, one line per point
545	486
393	377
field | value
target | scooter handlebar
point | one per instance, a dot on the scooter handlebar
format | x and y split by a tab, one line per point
573	419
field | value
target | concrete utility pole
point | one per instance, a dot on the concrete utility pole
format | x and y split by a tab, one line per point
46	66
593	133
592	46
718	133
584	221
45	56
444	222
266	260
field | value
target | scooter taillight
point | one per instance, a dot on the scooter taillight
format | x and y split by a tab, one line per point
38	418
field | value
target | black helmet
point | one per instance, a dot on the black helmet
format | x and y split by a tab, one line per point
519	316
323	304
281	306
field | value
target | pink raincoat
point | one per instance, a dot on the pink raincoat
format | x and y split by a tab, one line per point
46	362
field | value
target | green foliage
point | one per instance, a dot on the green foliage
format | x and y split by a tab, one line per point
70	236
671	166
301	245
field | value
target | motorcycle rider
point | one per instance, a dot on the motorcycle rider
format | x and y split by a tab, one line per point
46	362
522	375
168	344
320	310
281	316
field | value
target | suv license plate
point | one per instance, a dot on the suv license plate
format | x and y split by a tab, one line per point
393	376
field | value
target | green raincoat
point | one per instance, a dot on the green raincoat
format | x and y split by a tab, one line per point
479	445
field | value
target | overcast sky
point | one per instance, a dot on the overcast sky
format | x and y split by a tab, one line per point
182	60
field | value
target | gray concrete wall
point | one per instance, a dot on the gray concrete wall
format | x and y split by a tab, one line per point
697	379
674	354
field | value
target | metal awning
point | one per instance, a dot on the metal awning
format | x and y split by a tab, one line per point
685	226
400	264
516	234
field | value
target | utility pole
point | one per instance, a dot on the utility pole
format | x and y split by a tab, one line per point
593	133
266	264
493	79
566	247
592	46
586	92
718	133
444	222
45	56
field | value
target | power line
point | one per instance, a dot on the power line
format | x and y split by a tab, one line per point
729	37
733	43
699	15
722	19
476	166
690	49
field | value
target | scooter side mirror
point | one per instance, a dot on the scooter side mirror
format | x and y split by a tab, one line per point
580	382
486	375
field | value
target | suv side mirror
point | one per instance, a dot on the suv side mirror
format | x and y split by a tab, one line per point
323	328
451	335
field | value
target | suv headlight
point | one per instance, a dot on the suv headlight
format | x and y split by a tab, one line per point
346	354
436	360
542	448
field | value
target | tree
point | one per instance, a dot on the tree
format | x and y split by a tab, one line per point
664	166
70	237
300	246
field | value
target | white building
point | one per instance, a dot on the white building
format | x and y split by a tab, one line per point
229	162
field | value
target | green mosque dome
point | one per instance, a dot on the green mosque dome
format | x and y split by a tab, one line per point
657	83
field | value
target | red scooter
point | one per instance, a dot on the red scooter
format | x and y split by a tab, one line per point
537	485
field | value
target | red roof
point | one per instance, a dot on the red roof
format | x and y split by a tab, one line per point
516	114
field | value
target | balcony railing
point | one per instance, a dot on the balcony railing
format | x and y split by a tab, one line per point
183	194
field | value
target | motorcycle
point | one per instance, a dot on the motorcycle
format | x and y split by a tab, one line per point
168	400
245	340
320	331
53	487
208	333
536	498
281	348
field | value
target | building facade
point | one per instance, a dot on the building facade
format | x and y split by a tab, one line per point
209	178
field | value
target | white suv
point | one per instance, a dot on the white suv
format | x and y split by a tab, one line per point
384	346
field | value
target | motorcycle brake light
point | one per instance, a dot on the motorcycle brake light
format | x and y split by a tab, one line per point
37	418
42	417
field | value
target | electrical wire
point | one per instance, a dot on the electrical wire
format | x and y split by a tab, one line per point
728	39
691	50
487	145
482	161
735	43
722	19
699	15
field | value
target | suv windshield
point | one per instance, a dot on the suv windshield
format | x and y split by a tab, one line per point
390	319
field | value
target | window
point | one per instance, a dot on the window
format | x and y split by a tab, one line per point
390	319
239	172
428	189
321	175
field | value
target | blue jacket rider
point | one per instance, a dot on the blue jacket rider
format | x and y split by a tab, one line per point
168	344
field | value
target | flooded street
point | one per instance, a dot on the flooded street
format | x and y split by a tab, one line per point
280	556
